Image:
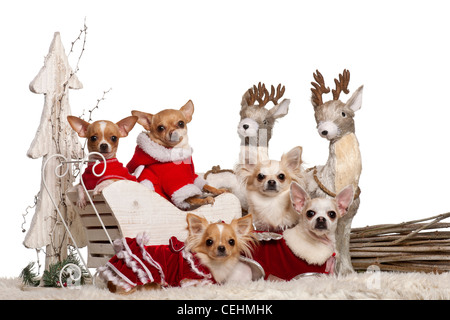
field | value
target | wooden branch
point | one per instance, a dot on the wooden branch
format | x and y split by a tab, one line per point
403	247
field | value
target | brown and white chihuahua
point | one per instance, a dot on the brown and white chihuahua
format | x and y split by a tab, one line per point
216	246
267	186
102	137
163	158
219	246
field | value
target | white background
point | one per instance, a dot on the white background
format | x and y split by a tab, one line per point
159	54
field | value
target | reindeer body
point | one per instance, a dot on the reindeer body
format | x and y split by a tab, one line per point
335	122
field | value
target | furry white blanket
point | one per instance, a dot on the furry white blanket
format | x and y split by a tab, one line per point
370	285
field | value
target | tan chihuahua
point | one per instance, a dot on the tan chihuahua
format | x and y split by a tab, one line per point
163	158
267	188
102	137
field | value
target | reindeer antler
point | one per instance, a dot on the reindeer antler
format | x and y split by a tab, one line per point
261	94
341	84
280	92
319	88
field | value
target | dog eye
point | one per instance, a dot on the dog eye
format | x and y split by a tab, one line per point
94	138
265	122
332	214
209	242
310	213
161	128
231	242
260	177
281	177
343	114
181	124
113	138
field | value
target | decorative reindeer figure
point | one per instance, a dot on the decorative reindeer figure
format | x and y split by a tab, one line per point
255	127
335	122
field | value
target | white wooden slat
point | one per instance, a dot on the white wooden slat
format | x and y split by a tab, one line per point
101	249
92	220
98	234
95	262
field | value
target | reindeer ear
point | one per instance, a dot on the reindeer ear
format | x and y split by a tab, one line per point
355	100
280	110
344	199
144	119
299	197
79	125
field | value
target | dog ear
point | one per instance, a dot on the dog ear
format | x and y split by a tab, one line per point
299	197
188	110
196	224
244	225
293	159
344	199
126	125
144	119
79	125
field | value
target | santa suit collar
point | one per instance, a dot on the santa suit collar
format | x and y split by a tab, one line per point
160	153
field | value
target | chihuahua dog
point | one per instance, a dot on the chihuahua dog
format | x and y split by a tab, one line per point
102	137
163	158
313	239
211	254
309	247
267	187
219	246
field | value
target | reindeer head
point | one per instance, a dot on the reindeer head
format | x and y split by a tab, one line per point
257	121
334	118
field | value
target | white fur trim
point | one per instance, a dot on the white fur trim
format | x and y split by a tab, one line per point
187	191
161	153
200	182
148	184
138	171
305	247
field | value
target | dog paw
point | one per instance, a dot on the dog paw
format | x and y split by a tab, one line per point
222	191
81	203
209	200
102	185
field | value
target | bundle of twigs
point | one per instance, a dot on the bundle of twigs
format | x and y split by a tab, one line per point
414	246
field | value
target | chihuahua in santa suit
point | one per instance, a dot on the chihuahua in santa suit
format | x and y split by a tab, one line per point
163	158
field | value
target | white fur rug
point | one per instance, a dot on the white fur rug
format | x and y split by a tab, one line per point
376	285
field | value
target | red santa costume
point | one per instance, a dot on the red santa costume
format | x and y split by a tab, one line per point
136	264
169	172
92	175
280	258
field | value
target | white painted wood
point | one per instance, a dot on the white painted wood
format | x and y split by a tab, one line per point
128	208
138	209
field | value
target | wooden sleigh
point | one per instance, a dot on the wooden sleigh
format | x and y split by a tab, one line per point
128	208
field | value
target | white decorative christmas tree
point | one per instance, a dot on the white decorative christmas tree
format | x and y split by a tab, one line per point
55	136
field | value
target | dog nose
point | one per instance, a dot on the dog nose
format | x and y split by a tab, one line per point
271	183
221	249
321	223
324	132
245	126
103	147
